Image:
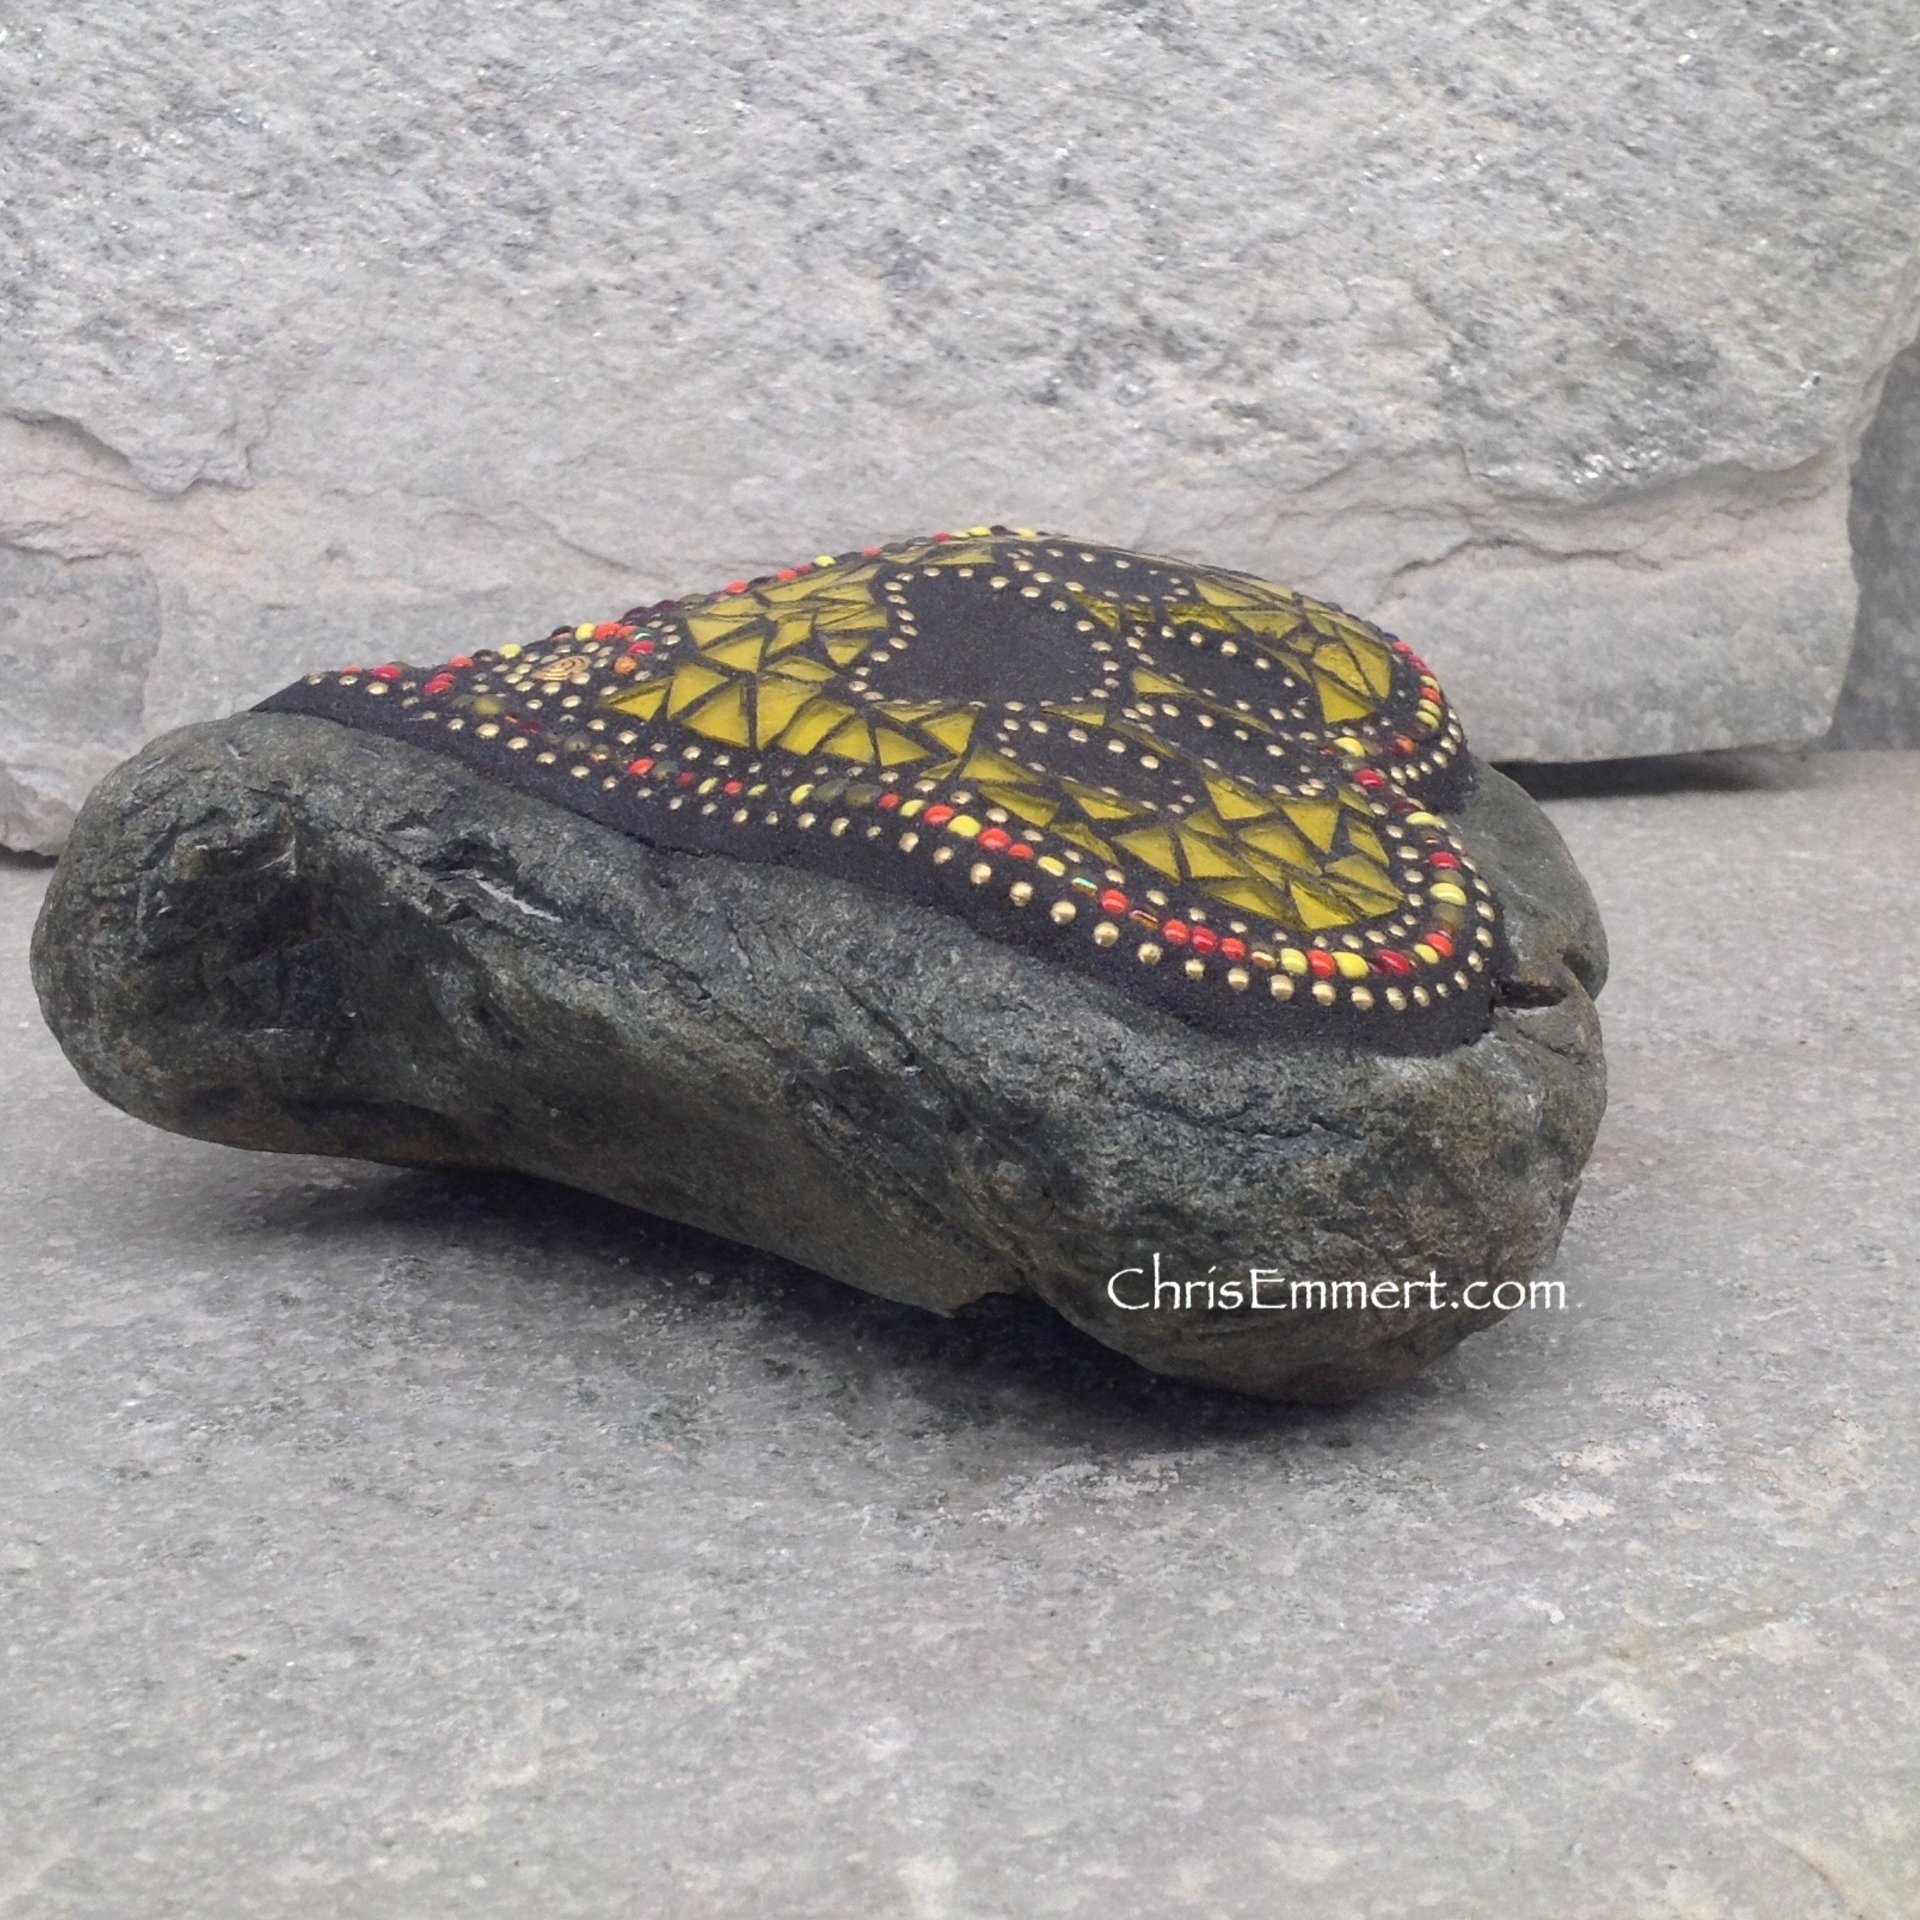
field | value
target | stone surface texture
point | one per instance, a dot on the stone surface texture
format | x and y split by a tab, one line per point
275	931
1880	703
385	1544
1543	334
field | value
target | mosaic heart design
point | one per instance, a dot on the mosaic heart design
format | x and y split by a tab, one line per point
1212	792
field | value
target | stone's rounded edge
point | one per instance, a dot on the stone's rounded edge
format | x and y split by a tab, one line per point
272	932
1548	905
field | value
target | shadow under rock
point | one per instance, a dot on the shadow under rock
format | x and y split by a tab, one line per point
1003	1362
1737	770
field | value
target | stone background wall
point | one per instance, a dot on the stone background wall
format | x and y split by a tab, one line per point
1546	334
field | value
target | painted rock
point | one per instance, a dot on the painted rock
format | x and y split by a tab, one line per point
986	913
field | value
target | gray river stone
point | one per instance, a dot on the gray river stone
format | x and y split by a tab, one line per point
278	933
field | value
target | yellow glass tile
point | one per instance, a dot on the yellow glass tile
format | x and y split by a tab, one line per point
1155	846
812	724
853	741
641	701
776	700
723	717
1317	819
691	681
743	653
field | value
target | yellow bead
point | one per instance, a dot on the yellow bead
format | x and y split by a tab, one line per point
1346	743
1430	955
1424	820
1293	960
1048	864
583	633
1352	966
965	825
512	650
1446	890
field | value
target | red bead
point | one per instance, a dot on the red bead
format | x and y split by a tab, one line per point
1176	933
639	767
1443	860
388	673
1397	964
787	573
640	648
889	801
1113	902
1321	964
439	684
938	816
1205	940
1368	778
461	664
685	779
1019	851
872	553
734	787
1232	949
1441	941
736	586
943	537
996	840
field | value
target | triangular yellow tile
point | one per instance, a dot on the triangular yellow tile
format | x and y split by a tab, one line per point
1232	801
743	653
854	741
1276	838
1100	806
812	724
1317	910
1336	703
691	682
1076	835
791	630
1208	859
1253	897
723	717
895	749
642	702
953	730
706	628
1317	819
1365	879
776	700
1154	846
996	769
1033	808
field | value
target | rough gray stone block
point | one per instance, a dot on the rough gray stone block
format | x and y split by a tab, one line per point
1542	335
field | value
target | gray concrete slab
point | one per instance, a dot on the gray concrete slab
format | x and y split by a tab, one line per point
378	1544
